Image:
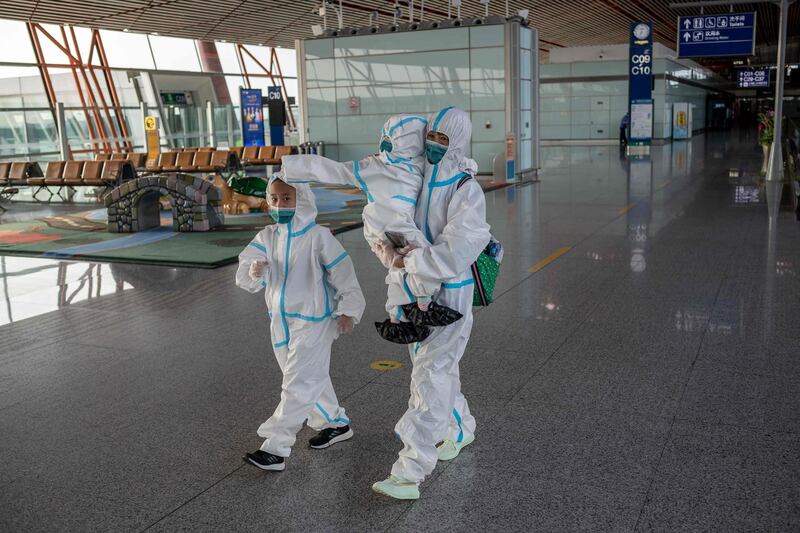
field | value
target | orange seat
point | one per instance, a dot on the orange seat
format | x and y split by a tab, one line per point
102	157
112	171
92	171
265	154
249	154
166	159
22	171
201	159
118	155
5	168
219	161
237	150
72	173
207	149
280	151
184	159
52	176
136	159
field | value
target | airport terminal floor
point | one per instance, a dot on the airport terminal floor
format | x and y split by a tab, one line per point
637	371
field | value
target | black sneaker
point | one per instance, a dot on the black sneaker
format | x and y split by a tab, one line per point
436	315
265	460
402	332
330	436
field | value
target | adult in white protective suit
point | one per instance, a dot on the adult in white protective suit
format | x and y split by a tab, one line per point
391	181
452	214
312	296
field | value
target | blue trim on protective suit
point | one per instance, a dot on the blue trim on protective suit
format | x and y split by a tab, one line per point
259	247
335	261
328	417
361	182
406	121
302	231
439	117
405	199
460	429
458	284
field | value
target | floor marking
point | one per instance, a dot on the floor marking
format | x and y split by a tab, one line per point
549	259
663	185
385	365
626	209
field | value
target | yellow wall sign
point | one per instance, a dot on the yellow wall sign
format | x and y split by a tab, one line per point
152	139
681	119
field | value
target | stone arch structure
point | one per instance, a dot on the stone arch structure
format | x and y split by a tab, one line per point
134	205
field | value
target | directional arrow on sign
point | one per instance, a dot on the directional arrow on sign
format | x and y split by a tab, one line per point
687	36
687	24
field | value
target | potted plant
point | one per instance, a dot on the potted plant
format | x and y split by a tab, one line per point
766	134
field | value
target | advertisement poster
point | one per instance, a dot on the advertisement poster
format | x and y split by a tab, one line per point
680	120
252	117
642	121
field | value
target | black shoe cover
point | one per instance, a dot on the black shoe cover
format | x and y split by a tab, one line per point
403	332
436	315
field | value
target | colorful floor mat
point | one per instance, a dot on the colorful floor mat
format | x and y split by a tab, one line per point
83	236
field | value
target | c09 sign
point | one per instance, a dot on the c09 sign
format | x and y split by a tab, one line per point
641	65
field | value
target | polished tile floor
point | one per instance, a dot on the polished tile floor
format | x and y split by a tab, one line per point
638	371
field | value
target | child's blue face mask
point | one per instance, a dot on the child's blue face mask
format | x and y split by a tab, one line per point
386	144
282	215
434	151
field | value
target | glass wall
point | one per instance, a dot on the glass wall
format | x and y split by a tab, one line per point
146	69
592	106
355	83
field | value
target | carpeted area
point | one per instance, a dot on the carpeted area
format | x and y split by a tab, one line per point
83	235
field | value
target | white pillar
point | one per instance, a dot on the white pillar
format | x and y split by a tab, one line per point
775	166
61	125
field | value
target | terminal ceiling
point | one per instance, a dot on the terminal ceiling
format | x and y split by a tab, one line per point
278	23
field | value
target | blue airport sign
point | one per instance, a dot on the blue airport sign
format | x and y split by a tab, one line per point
731	34
752	78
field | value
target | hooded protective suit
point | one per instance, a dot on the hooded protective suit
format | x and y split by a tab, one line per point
453	219
391	181
308	284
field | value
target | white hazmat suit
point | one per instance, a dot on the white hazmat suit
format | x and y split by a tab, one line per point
392	182
309	282
453	219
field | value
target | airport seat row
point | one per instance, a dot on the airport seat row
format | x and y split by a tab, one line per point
136	158
194	161
16	174
264	155
69	174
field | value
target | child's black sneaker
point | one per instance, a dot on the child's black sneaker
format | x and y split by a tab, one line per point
265	460
330	436
436	315
402	332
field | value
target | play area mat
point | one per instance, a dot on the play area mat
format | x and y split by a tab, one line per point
82	236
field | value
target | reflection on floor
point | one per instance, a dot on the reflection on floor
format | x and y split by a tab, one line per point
638	370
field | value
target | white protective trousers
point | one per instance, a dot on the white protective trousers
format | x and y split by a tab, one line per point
452	213
309	283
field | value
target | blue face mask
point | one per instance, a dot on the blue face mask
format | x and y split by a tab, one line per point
281	215
434	151
386	145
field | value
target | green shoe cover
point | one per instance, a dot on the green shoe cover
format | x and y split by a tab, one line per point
449	450
396	488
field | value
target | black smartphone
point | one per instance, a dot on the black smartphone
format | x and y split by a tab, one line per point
397	239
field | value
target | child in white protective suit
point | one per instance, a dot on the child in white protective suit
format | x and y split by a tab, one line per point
312	297
452	213
392	182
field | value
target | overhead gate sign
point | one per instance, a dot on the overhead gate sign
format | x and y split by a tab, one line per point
732	34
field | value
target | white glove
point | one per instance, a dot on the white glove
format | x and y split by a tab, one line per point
257	269
386	253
